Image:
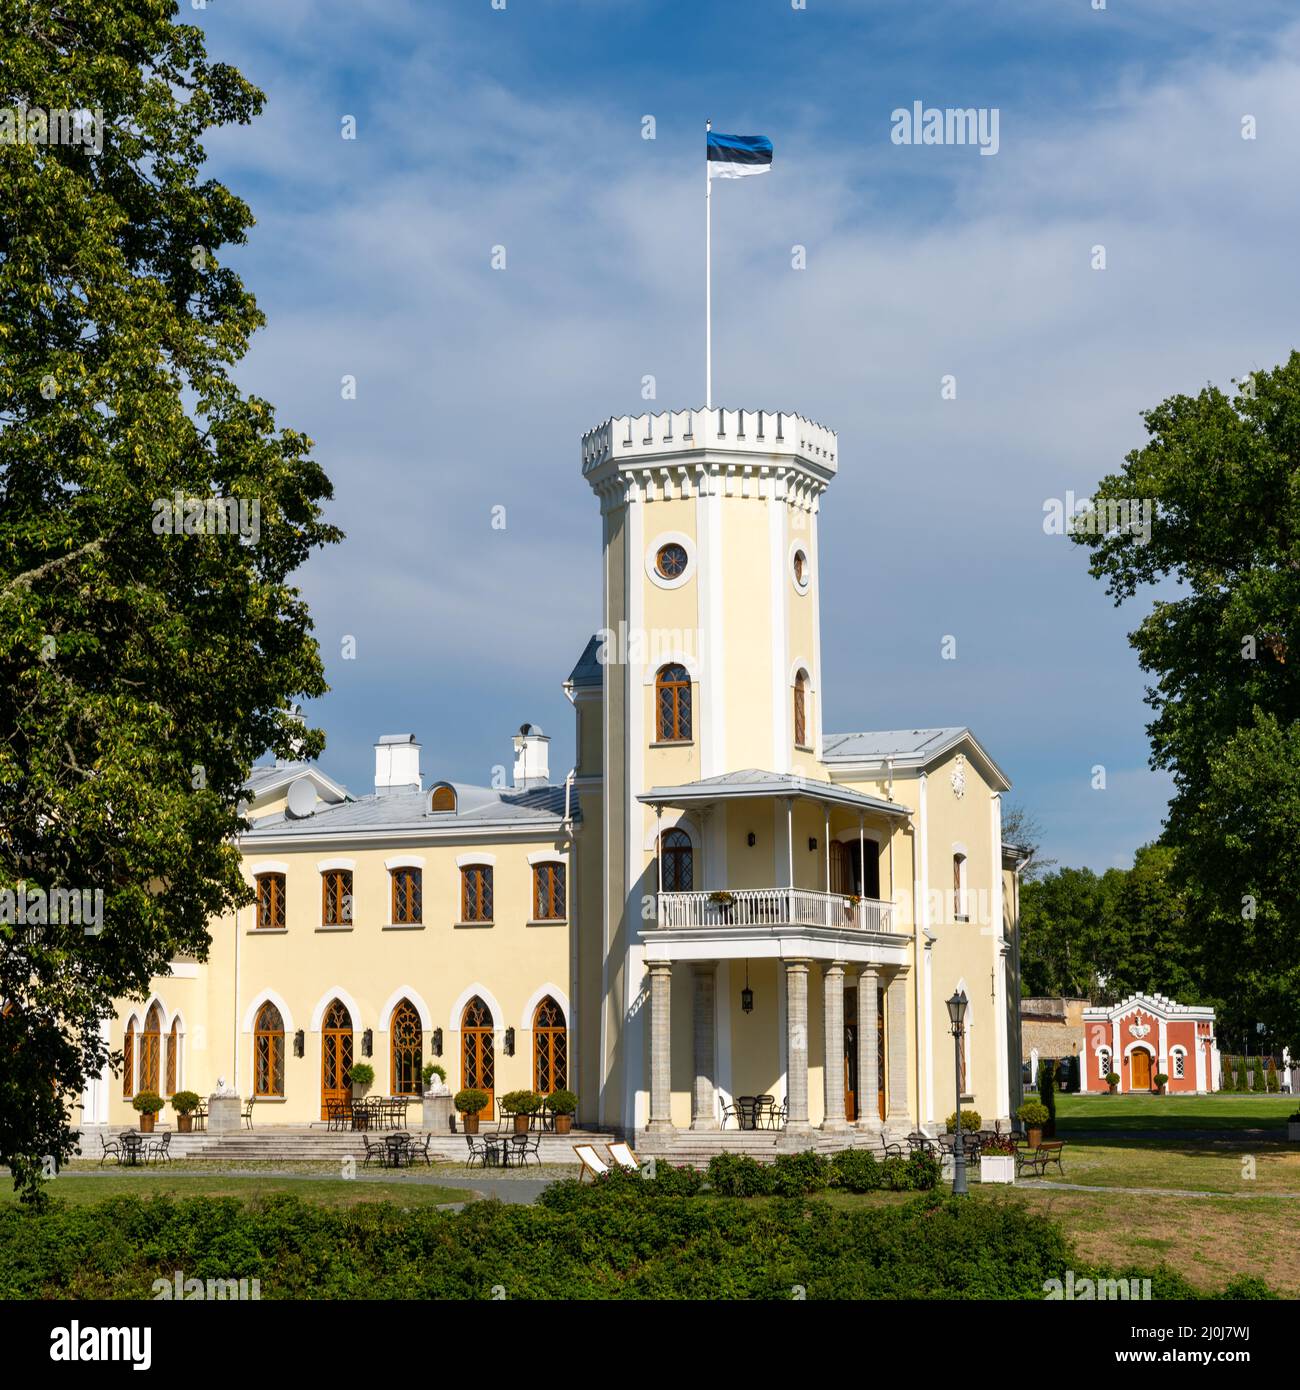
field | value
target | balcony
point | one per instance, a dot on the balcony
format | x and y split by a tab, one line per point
771	907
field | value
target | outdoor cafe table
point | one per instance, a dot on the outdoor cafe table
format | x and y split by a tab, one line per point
396	1147
133	1147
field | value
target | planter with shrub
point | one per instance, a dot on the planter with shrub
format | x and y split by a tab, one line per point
997	1160
563	1105
1033	1115
469	1103
362	1077
185	1103
971	1120
1162	1080
523	1105
147	1104
1112	1080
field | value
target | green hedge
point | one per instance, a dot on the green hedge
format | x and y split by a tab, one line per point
595	1246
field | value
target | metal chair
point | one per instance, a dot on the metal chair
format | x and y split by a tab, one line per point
729	1112
159	1150
201	1116
745	1106
373	1150
414	1150
764	1112
478	1151
525	1146
248	1114
110	1148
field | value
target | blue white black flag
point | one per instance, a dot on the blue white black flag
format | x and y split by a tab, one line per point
734	156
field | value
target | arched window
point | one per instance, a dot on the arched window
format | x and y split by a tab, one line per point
151	1051
1179	1060
173	1056
550	1048
673	704
128	1060
801	709
959	887
678	861
443	798
478	1052
407	1049
268	1052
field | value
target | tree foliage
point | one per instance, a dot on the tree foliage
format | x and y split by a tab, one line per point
141	673
1224	654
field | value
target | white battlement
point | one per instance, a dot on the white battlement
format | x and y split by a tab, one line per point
765	434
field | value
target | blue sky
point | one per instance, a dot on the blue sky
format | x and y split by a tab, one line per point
523	127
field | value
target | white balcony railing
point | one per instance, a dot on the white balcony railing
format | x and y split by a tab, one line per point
770	907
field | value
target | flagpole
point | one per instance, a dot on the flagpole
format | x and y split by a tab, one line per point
708	274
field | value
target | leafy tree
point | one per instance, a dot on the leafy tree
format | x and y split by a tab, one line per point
1060	927
1224	474
141	673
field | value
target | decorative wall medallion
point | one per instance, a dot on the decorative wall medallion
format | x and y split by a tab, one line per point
959	777
1139	1030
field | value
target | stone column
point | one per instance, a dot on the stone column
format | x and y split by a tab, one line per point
869	1048
661	1050
833	1046
896	1050
796	1014
704	1095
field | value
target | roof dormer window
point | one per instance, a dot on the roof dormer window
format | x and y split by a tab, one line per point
443	798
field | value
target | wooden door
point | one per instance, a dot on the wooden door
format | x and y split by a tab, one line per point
880	1050
335	1056
477	1053
850	1055
1140	1068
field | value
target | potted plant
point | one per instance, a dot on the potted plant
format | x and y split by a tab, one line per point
1293	1127
971	1121
563	1106
997	1160
148	1103
1161	1080
362	1076
185	1103
469	1103
1112	1080
523	1105
1033	1115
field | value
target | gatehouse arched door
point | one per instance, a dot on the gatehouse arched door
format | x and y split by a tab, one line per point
1139	1063
335	1056
478	1053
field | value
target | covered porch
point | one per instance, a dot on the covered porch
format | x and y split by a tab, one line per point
790	981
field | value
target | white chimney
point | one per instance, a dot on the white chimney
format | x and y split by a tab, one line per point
397	764
532	760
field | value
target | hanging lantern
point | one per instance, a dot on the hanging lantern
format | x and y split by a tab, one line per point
747	994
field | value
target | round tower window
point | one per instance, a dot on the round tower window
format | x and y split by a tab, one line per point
671	560
799	569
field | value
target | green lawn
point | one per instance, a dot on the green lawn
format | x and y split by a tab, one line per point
1075	1113
81	1188
1241	1165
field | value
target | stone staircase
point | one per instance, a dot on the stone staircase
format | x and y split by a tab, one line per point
696	1147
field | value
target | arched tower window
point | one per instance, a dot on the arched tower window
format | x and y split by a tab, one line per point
673	704
959	888
801	709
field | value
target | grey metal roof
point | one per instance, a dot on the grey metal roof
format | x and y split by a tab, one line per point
904	748
476	808
888	743
266	777
588	670
754	782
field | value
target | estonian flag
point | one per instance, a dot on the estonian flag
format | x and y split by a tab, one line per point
734	156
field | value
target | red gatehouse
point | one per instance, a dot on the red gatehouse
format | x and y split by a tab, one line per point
1145	1036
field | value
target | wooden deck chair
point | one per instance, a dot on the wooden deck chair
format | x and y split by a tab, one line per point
591	1161
621	1153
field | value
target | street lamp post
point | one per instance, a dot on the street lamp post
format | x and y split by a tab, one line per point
957	1013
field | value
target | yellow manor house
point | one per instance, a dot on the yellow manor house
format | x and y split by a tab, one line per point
721	901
